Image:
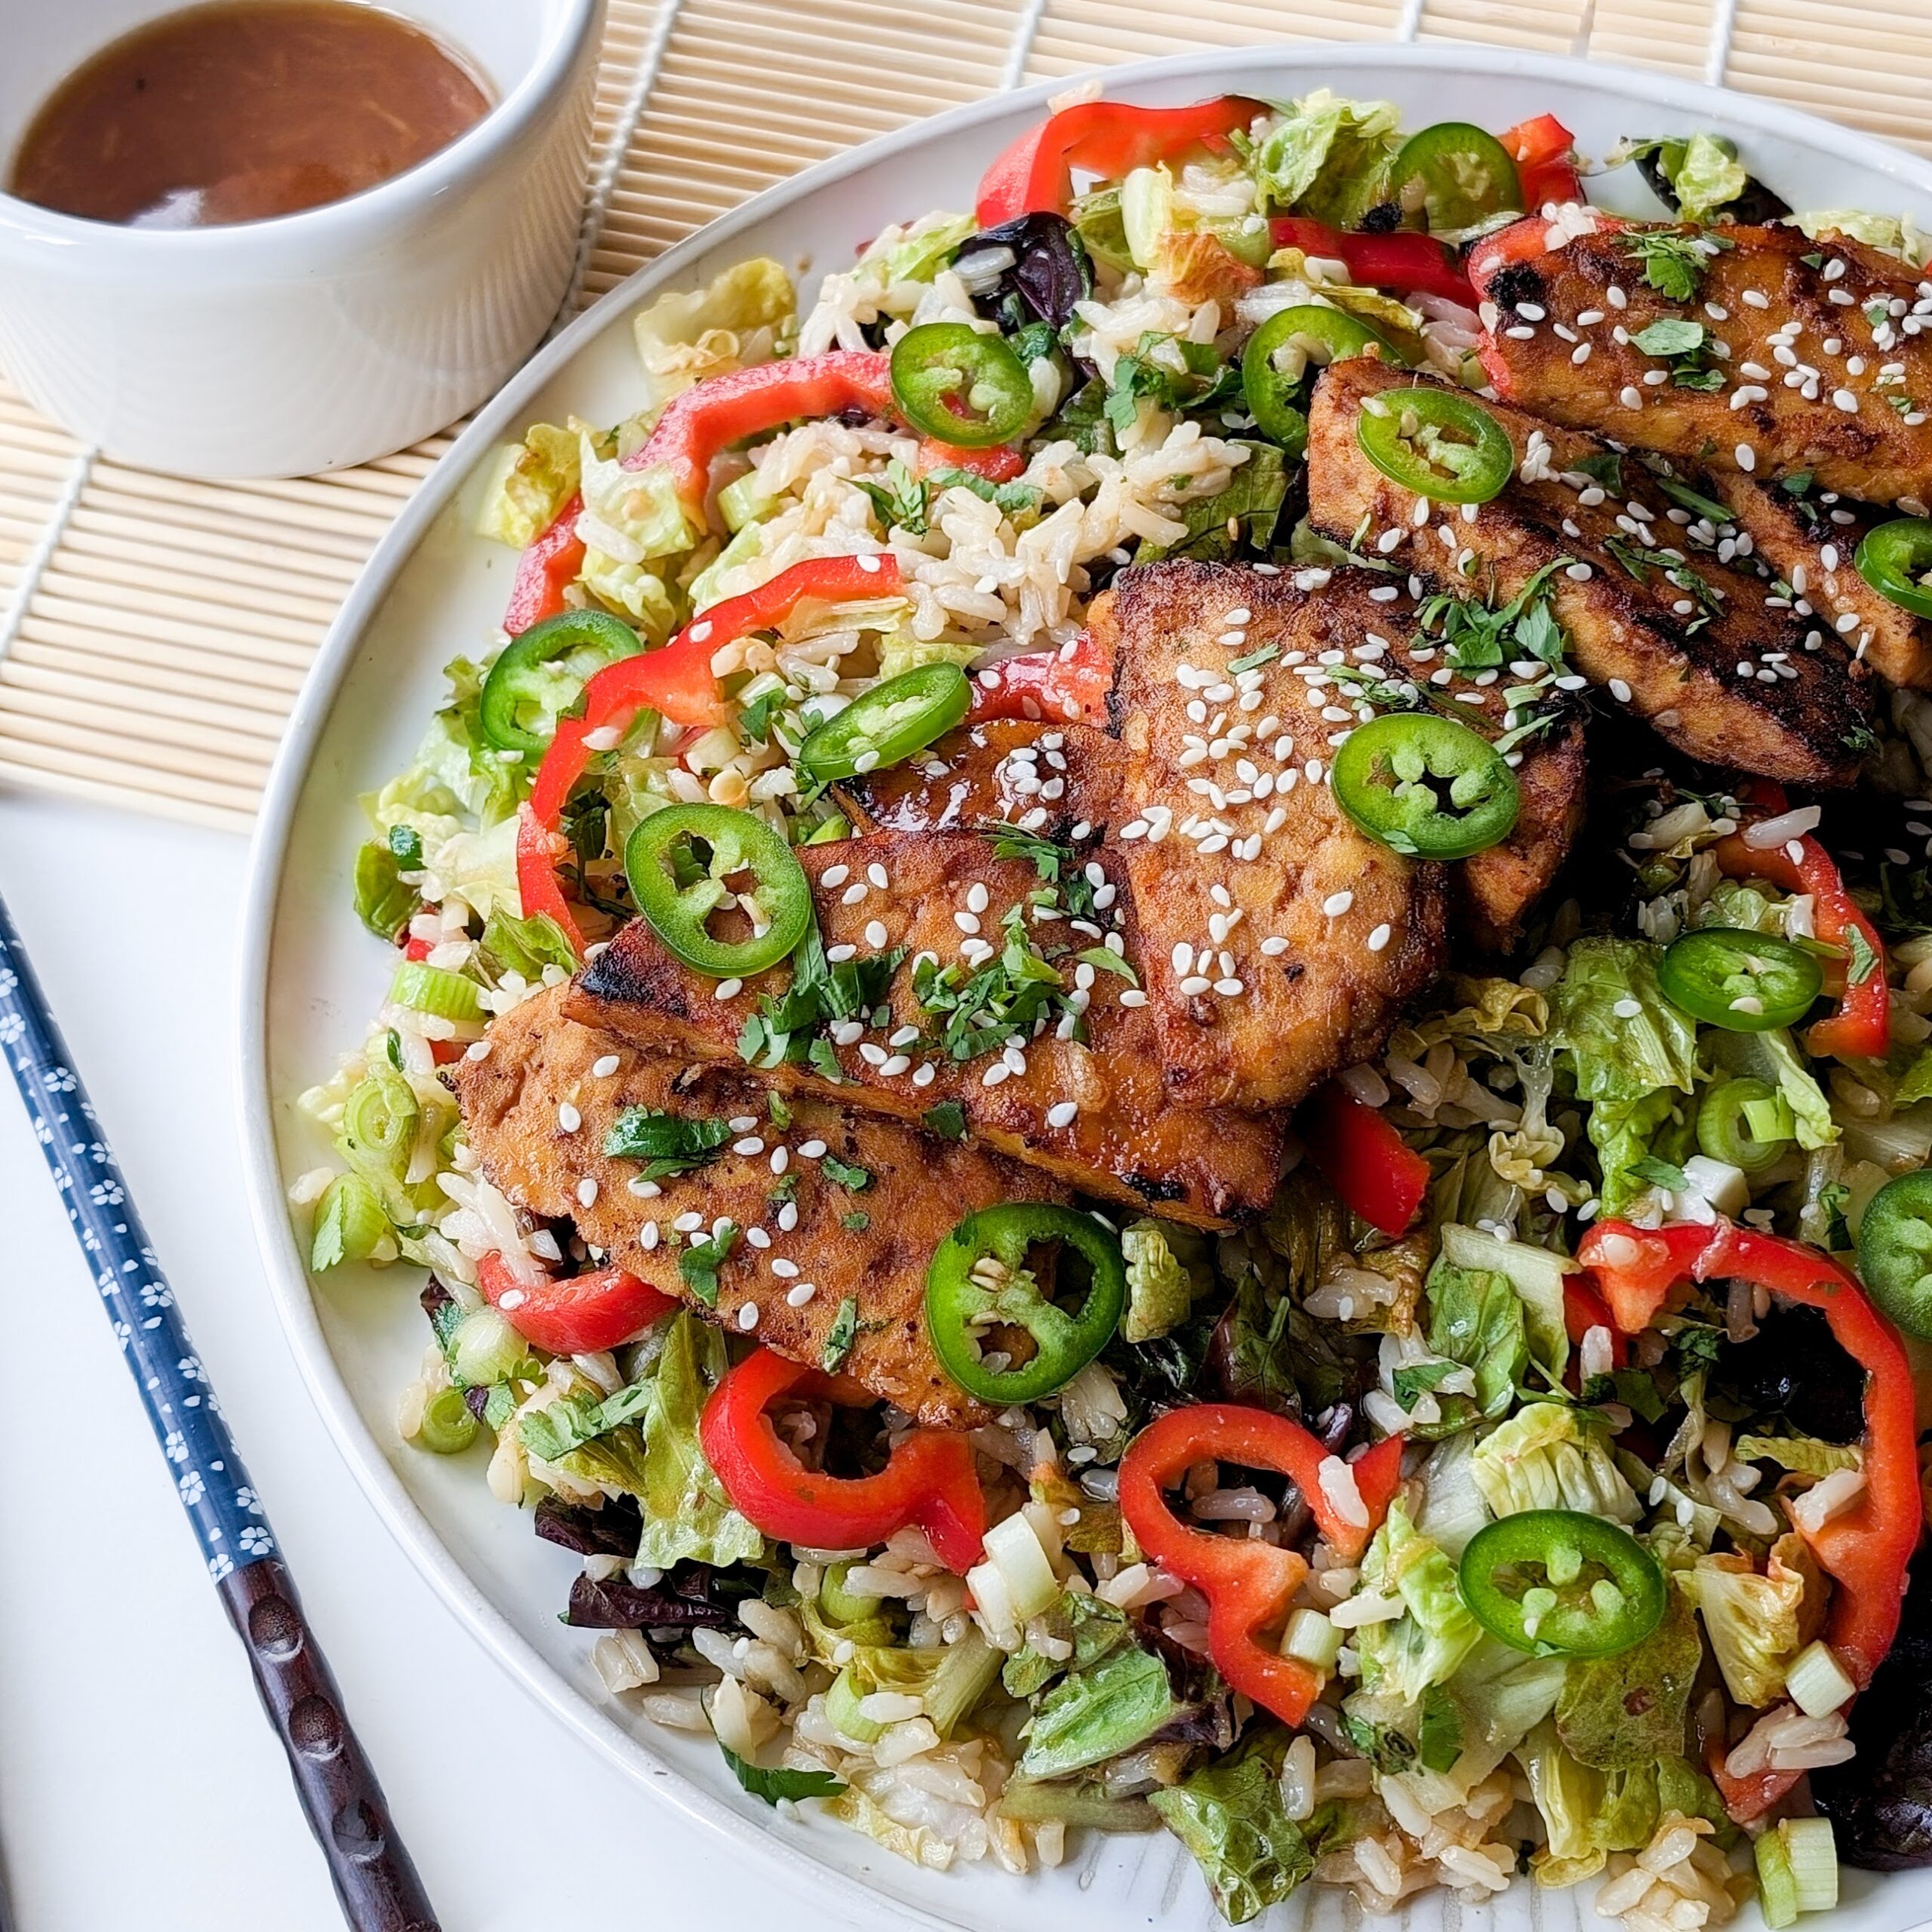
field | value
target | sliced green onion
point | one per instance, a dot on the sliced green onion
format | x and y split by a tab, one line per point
1014	1548
1813	1854
1777	1890
379	1122
485	1350
430	989
837	1604
841	1710
1816	1682
966	1673
349	1223
1746	1124
1312	1639
448	1428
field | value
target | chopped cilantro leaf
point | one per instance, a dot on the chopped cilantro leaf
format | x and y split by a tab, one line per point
844	1332
947	1120
668	1144
773	1785
699	1262
856	1179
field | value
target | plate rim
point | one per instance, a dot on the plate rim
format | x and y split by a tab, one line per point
281	1260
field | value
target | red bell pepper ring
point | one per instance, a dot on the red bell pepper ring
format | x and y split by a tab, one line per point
711	415
1107	138
930	1479
1378	1175
579	1315
1249	1585
1635	1268
1407	263
1544	150
677	683
1070	685
1861	1028
1865	1547
544	570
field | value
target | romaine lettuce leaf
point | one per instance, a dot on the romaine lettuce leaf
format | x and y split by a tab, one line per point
1092	1626
1756	1622
1617	1712
1428	1642
1704	173
1242	514
1628	1134
630	515
1328	157
1587	1814
635	589
1231	1817
1549	1455
686	1512
1896	234
1099	1712
1624	1040
1476	1318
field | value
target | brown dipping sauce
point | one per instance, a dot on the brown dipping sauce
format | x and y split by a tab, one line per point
241	110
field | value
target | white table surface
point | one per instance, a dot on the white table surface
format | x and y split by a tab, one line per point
139	1785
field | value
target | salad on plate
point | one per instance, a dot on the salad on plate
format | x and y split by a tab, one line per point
1161	1048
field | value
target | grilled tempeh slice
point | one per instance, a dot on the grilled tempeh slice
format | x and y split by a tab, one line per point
1097	1116
1825	364
1810	544
872	1243
1281	941
1705	652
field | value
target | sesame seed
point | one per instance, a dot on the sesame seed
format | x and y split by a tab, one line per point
1193	986
995	1074
1619	690
1581	353
1631	396
837	955
788	1216
648	1236
875	933
966	922
751	1144
1844	399
644	1190
748	1315
728	990
1336	903
1274	947
477	1050
1747	457
1062	1114
781	1159
1380	937
586	1191
924	1075
1581	573
1628	1009
1756	299
602	1069
785	1270
568	1118
758	1238
688	1222
798	1297
514	1298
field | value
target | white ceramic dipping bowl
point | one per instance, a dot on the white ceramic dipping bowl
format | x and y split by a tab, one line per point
319	340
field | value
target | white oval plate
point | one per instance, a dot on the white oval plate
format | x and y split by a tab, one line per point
310	978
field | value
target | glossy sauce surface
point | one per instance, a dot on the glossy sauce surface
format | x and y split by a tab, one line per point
242	110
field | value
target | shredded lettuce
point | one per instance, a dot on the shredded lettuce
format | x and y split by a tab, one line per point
1630	1137
738	318
949	1679
1805	1453
532	480
1428	1642
1622	1055
455	764
1232	1817
630	515
1503	1697
1242	514
1328	157
1160	1285
1092	1627
632	589
1704	173
1549	1455
1896	235
919	253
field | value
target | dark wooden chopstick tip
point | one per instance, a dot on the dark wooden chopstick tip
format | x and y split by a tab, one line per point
374	1876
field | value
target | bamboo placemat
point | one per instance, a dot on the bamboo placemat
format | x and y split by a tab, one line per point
153	632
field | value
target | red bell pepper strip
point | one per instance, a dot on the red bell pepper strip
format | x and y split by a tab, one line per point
1378	1175
1107	138
1248	1585
545	567
711	415
677	683
1865	1547
930	1479
999	463
1070	684
1583	1309
577	1315
1861	1028
1408	263
1543	151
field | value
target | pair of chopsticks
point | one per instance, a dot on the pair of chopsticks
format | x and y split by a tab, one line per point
374	1880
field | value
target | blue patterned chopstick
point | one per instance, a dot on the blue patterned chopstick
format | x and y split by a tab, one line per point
374	1880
